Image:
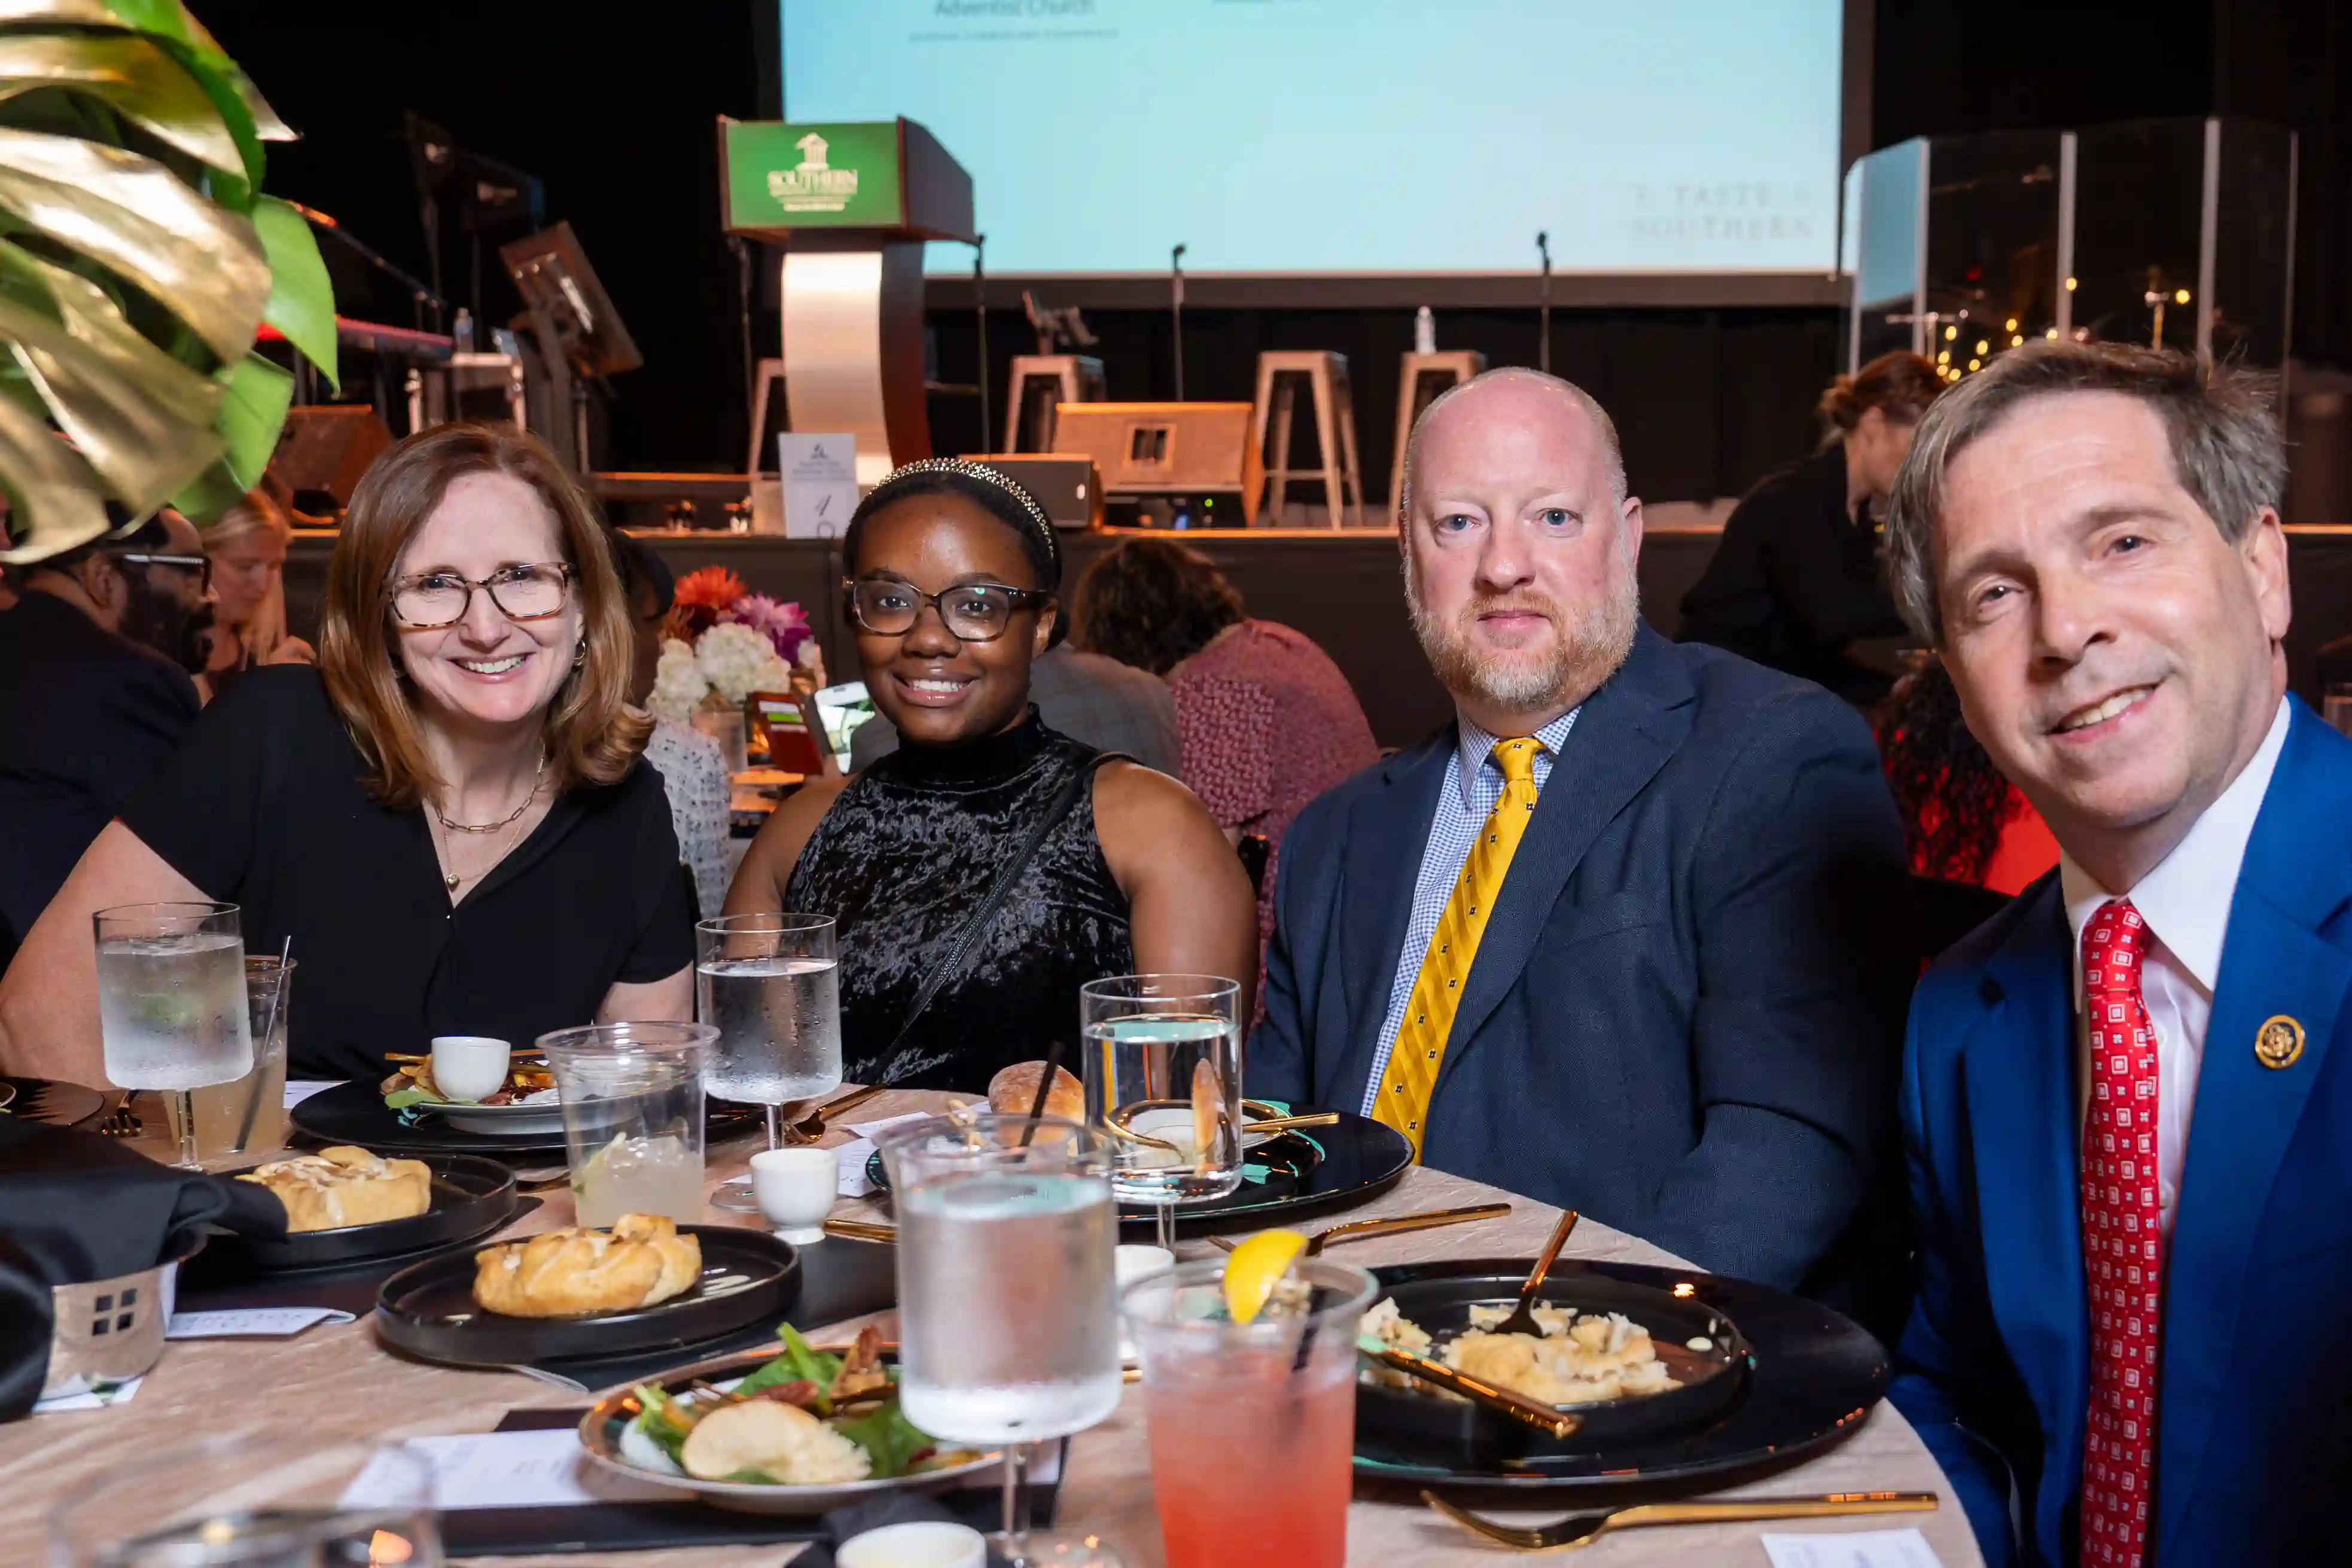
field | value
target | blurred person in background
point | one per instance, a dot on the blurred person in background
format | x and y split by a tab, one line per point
692	766
1266	720
1963	821
91	699
444	815
248	550
1796	579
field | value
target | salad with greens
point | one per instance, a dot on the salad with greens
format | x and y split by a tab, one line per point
808	1417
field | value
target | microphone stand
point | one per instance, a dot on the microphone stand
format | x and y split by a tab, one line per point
1176	310
422	293
743	250
1543	307
979	303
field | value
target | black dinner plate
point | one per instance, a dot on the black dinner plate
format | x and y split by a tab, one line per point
354	1112
748	1277
471	1197
1807	1378
53	1101
1309	1171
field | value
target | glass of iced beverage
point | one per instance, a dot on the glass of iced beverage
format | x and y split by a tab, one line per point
632	1096
170	1002
1252	1423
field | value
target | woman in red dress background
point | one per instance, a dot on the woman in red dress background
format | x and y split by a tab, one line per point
1265	720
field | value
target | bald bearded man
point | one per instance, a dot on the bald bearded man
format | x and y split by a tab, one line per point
1631	933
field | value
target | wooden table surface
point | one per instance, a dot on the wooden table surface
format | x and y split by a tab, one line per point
335	1381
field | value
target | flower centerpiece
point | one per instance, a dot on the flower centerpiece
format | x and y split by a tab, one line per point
722	643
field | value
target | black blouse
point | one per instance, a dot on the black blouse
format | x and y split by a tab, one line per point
901	860
265	808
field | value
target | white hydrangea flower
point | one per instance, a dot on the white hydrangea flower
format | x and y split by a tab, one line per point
678	685
740	660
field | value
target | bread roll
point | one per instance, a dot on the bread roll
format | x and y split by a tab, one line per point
344	1186
640	1262
1014	1089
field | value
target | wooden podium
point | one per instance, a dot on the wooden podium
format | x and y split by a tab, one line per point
851	205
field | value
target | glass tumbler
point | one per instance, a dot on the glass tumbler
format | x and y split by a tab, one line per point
171	1002
239	1499
1251	1426
1163	1080
632	1096
771	985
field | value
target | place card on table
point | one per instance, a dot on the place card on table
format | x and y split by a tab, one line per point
855	1154
506	1469
251	1322
80	1395
1855	1549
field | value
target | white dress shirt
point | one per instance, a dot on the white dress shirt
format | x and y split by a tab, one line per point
1473	784
2185	904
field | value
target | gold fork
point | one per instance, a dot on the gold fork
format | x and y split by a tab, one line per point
1395	1225
1580	1529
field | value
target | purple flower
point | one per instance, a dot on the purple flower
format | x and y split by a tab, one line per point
785	625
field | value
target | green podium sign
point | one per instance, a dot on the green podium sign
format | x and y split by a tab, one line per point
891	177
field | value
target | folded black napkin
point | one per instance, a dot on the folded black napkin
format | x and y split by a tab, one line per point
77	1207
891	1508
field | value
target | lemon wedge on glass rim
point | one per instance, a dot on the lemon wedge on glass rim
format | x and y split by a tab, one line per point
1255	1266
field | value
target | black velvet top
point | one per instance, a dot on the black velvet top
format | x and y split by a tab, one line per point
902	858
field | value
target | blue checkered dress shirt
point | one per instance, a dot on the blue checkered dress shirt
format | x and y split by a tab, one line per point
1473	784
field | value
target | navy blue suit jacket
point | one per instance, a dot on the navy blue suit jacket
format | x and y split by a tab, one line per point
84	716
1686	1013
2255	1378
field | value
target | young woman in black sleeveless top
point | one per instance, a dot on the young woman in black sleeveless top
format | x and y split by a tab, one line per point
952	572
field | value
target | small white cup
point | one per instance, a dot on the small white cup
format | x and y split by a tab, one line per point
1129	1263
795	1188
469	1067
923	1543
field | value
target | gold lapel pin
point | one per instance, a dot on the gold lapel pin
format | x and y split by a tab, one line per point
2279	1041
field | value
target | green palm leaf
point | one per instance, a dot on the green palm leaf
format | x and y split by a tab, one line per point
137	259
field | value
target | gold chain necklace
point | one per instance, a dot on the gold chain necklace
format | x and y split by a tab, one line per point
450	879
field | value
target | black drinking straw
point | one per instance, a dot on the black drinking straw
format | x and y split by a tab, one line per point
1045	1088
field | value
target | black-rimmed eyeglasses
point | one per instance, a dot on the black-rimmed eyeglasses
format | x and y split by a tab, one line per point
430	600
201	565
971	611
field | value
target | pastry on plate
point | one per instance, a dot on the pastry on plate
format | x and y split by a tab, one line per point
344	1186
640	1262
1014	1089
781	1443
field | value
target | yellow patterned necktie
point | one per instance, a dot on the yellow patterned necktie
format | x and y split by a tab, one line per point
1420	1048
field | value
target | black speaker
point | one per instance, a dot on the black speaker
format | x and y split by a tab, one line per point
1067	487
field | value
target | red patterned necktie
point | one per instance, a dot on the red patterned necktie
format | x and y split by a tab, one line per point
2122	1244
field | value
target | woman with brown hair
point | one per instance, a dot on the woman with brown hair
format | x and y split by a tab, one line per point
247	549
1796	578
445	815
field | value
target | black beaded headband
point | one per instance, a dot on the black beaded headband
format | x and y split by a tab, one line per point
964	468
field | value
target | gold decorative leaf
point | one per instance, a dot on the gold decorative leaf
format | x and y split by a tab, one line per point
134	76
144	420
202	262
51	491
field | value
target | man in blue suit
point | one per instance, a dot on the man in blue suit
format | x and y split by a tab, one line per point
2126	1119
1632	935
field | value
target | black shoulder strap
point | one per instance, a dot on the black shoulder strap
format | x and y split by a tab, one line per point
961	947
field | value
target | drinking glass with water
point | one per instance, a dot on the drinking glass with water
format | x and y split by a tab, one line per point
1163	1077
171	1002
1006	1325
632	1097
771	985
247	1114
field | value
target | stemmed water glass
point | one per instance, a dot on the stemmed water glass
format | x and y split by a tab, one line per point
171	1003
1163	1079
1006	1325
771	985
